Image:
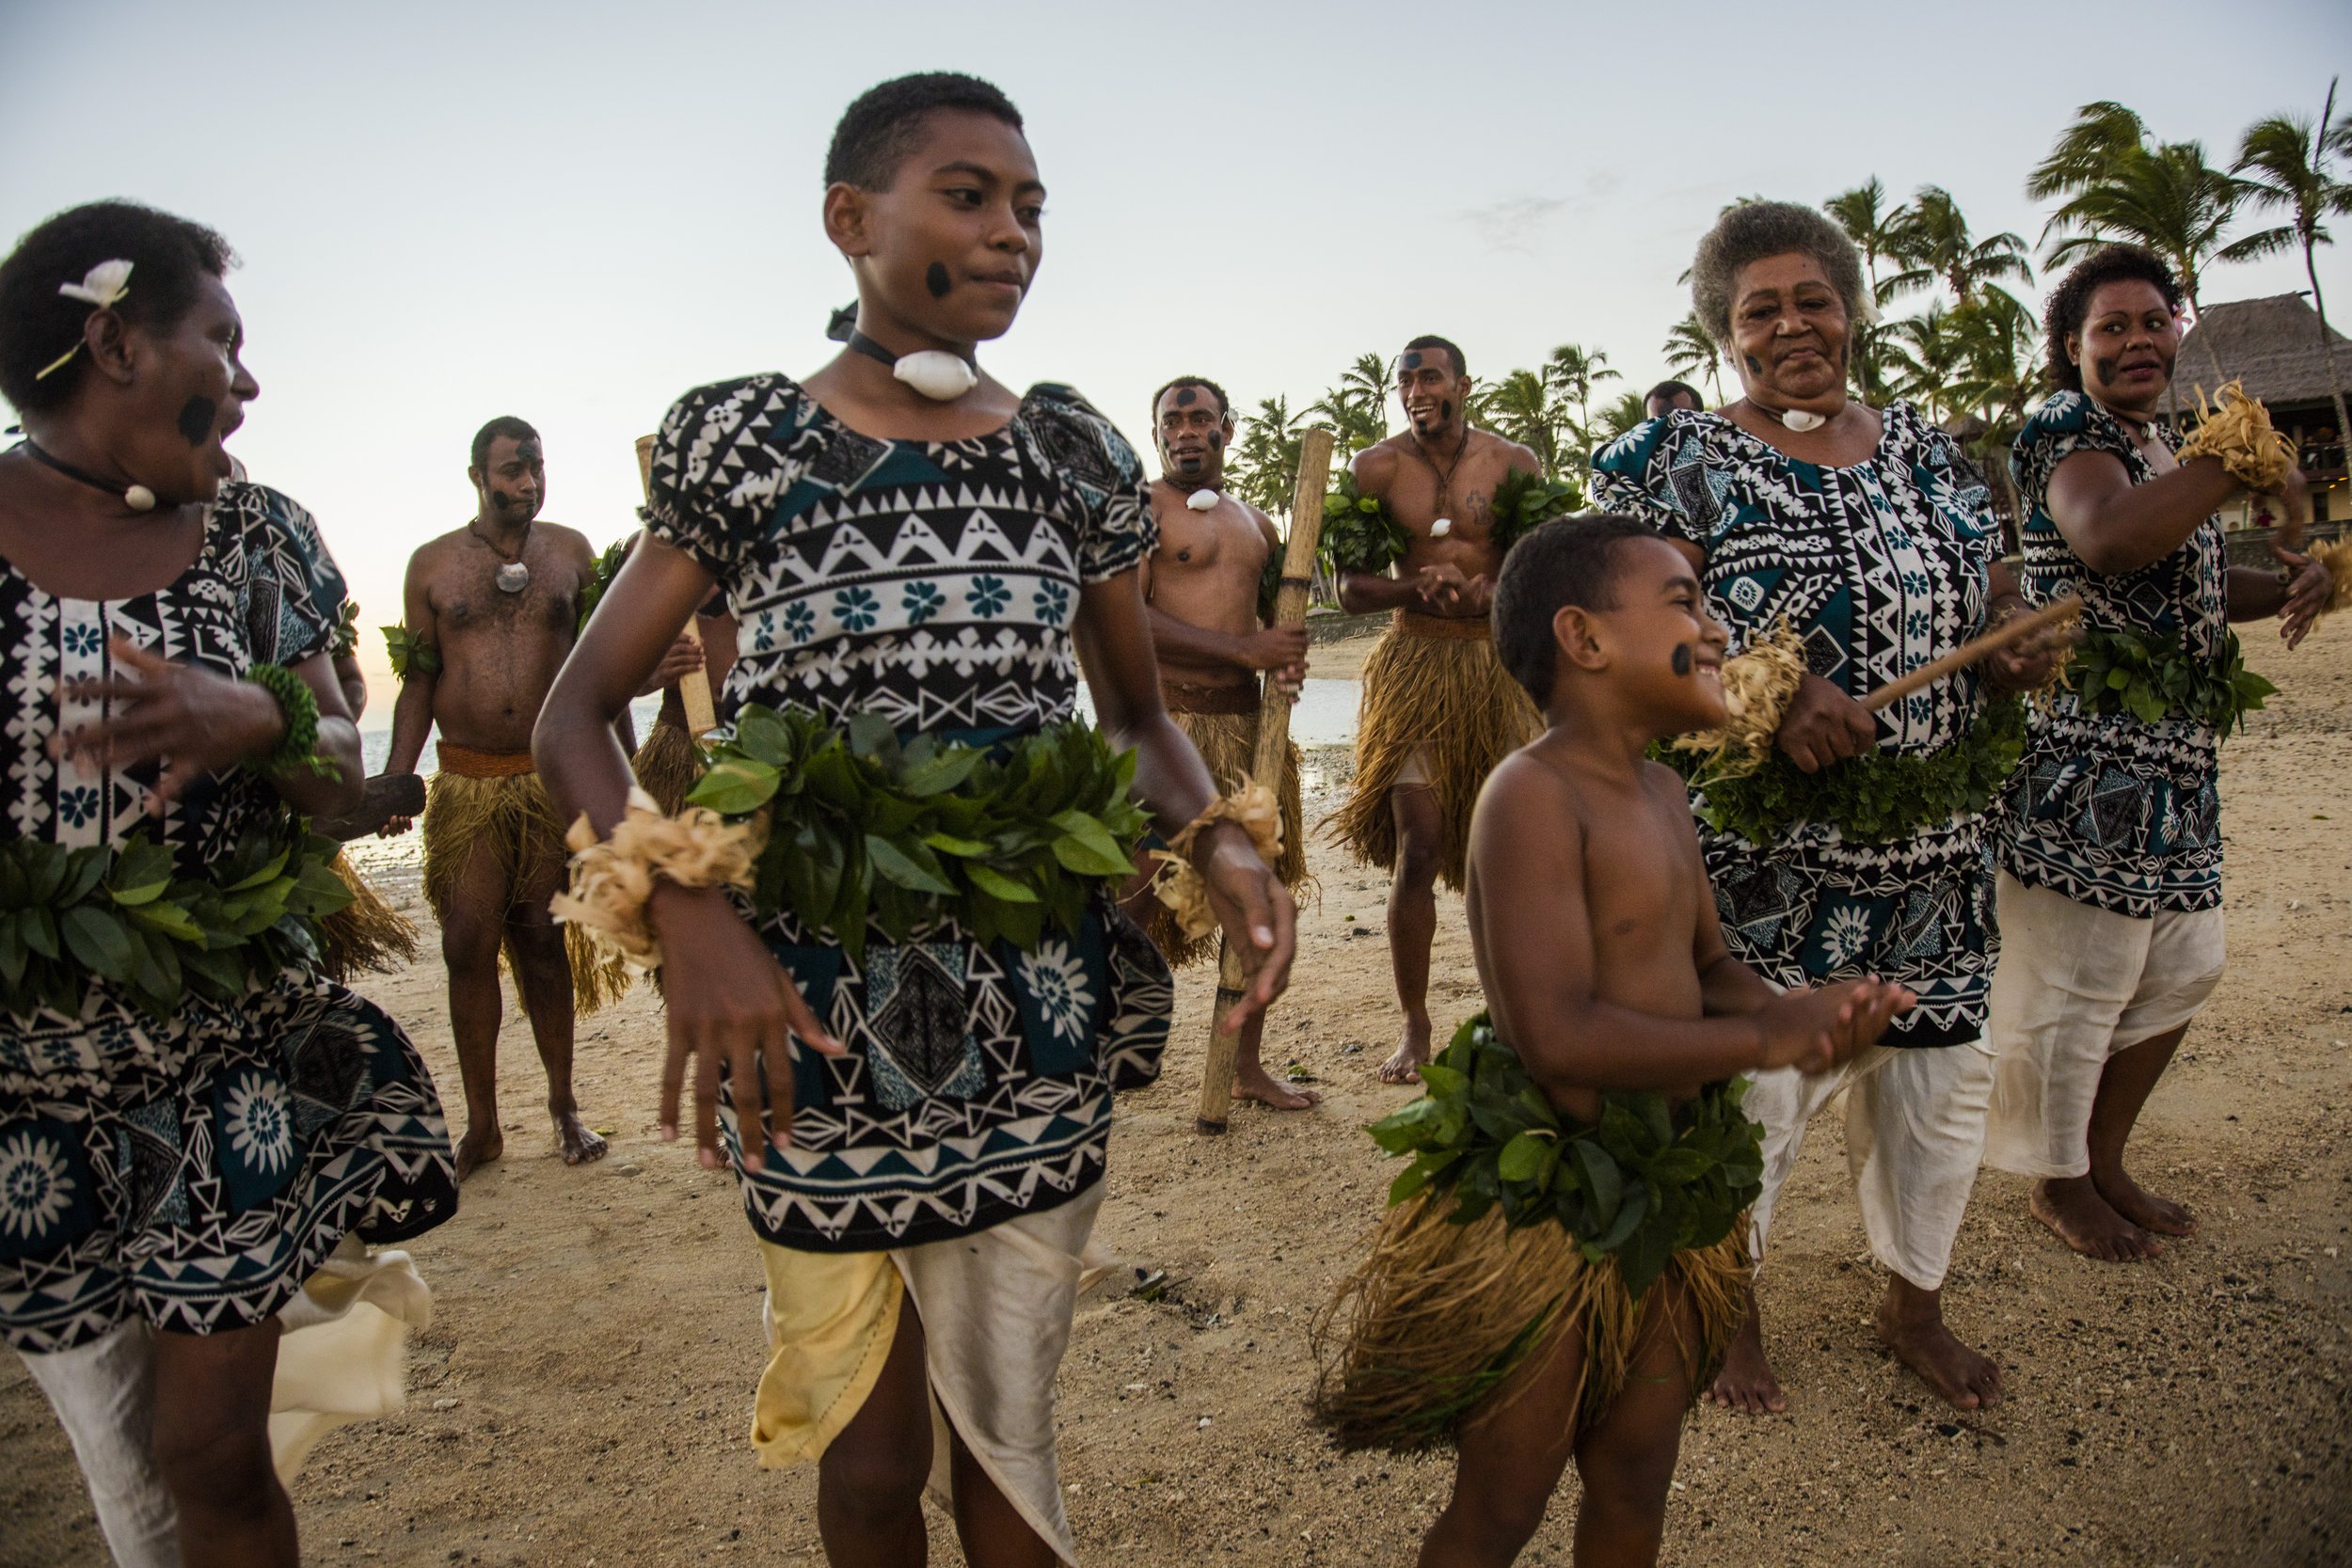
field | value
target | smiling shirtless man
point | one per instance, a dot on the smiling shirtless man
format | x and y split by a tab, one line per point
491	609
1439	711
1203	589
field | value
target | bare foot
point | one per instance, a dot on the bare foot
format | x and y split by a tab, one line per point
1252	1082
2143	1207
577	1144
1746	1382
478	1146
2072	1206
1411	1051
1965	1379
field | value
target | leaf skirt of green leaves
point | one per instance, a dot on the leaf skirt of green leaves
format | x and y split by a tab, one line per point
1643	1183
863	827
2152	678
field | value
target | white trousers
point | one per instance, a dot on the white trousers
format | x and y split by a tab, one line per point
1915	1135
104	1395
2075	985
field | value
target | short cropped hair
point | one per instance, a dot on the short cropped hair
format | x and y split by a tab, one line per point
1568	561
1224	403
169	257
1756	231
2070	305
1461	366
505	424
880	128
1672	389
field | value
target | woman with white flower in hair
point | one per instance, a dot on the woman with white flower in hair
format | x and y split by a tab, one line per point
1857	847
194	1121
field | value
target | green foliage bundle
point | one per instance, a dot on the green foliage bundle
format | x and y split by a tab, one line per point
344	640
608	568
1643	1182
298	750
123	916
2154	678
1522	501
409	653
1358	532
861	826
1872	797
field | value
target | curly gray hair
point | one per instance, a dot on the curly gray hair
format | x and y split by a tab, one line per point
1756	229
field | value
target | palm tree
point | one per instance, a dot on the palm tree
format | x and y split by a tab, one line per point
2283	162
1263	468
1572	372
1876	231
1925	353
1617	415
2118	187
1356	408
1520	408
1690	351
1934	240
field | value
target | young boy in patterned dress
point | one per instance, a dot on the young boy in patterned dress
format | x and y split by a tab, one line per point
891	545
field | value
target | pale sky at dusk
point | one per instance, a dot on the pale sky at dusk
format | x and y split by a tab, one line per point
574	212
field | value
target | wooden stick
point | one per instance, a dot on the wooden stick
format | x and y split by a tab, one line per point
694	688
2015	629
1273	751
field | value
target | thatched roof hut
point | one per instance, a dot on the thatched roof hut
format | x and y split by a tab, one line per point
2274	346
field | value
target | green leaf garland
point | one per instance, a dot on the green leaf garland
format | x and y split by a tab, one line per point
409	653
122	916
608	568
1643	1182
1870	799
1523	501
2152	678
862	827
1358	532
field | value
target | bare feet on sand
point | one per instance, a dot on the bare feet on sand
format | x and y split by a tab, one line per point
478	1146
1746	1382
2143	1207
1412	1050
2072	1208
1965	1379
1252	1082
573	1138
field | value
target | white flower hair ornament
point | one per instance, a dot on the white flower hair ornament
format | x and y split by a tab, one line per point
101	287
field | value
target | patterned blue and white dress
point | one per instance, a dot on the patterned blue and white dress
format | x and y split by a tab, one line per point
1879	567
934	582
191	1172
2111	810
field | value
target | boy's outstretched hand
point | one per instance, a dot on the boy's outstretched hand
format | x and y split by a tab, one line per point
1817	1029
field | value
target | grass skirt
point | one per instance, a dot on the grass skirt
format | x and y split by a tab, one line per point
1426	1330
366	936
1228	743
1435	687
509	817
667	765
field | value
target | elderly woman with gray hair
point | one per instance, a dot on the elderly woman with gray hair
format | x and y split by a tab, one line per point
1859	846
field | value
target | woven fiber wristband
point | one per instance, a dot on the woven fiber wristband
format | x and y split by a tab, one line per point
298	750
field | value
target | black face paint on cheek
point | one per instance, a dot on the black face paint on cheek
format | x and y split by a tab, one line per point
196	420
1186	396
1755	366
937	281
1682	658
1445	410
1216	439
501	499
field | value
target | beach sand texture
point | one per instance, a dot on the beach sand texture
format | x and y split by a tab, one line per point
584	1391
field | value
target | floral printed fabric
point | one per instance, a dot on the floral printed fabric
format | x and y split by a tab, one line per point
1879	568
935	582
2113	811
192	1173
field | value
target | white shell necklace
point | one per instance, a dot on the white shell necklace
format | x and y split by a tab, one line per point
940	377
511	576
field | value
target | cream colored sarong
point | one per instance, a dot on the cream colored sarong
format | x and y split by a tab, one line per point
995	1307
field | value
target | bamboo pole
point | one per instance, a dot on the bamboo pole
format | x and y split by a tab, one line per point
2016	629
694	688
1274	742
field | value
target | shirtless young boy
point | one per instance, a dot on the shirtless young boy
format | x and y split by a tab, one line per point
1597	942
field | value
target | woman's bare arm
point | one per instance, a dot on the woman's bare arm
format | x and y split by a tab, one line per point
2117	525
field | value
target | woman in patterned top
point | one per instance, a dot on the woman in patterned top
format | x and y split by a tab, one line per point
926	1183
2110	883
1866	532
180	1169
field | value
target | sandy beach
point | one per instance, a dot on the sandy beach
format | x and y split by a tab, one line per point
583	1393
